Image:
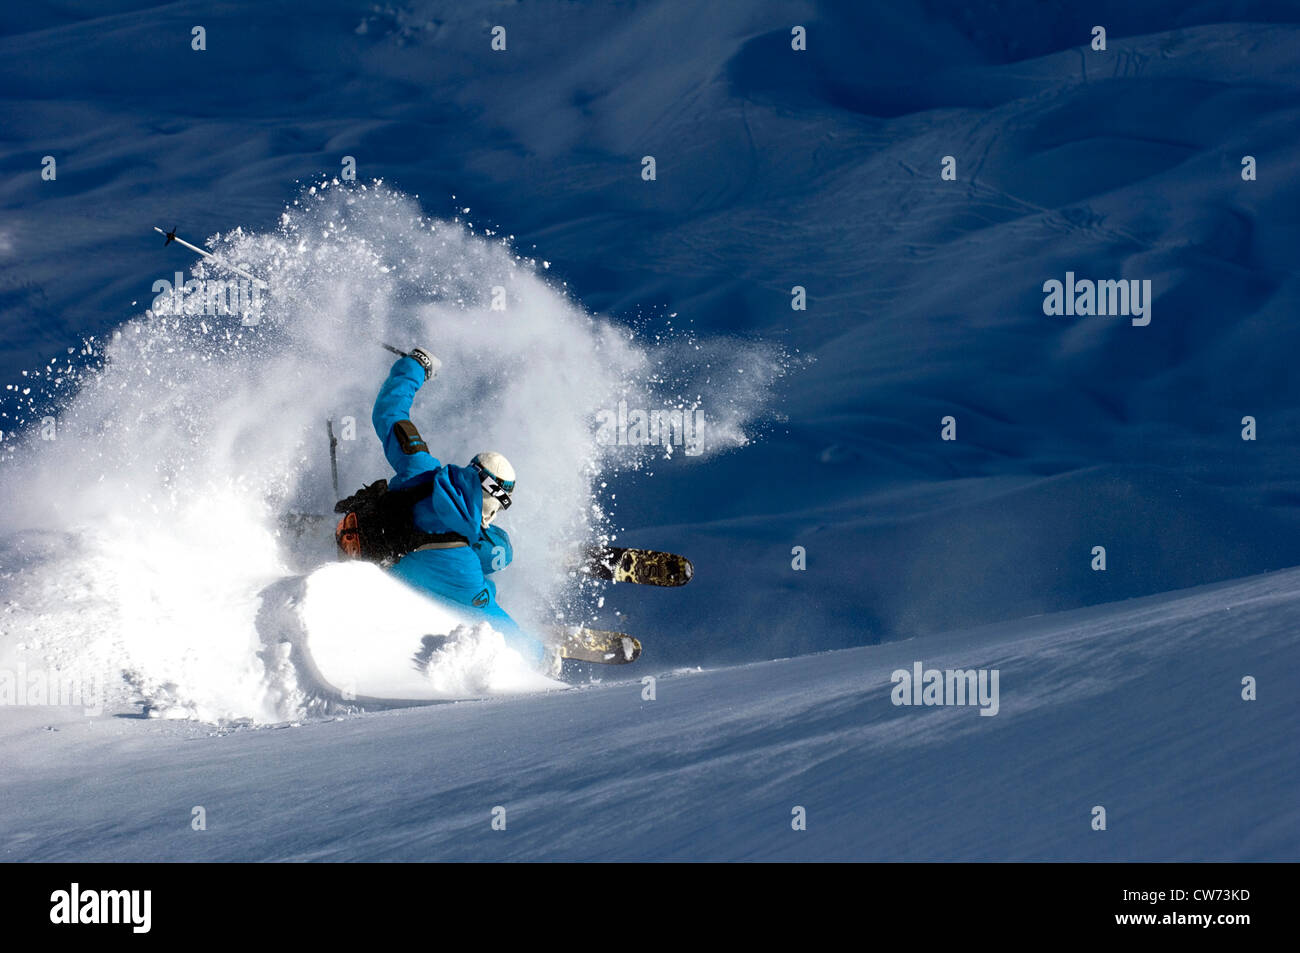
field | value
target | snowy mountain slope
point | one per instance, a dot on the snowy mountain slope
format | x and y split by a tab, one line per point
919	563
146	542
1133	706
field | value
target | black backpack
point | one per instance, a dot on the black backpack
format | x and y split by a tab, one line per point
377	524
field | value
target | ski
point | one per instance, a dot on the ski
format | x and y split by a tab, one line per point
645	567
596	645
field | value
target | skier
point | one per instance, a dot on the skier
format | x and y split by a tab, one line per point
454	508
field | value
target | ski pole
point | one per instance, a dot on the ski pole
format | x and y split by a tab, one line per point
396	351
334	460
172	237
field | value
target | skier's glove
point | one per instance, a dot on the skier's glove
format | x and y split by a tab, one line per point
430	363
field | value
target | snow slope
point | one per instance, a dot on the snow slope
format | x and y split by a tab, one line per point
145	546
1134	706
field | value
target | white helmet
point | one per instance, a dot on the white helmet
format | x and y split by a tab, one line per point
497	477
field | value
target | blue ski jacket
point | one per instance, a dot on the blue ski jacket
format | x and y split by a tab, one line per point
456	503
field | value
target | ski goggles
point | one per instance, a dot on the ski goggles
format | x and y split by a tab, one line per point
497	489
